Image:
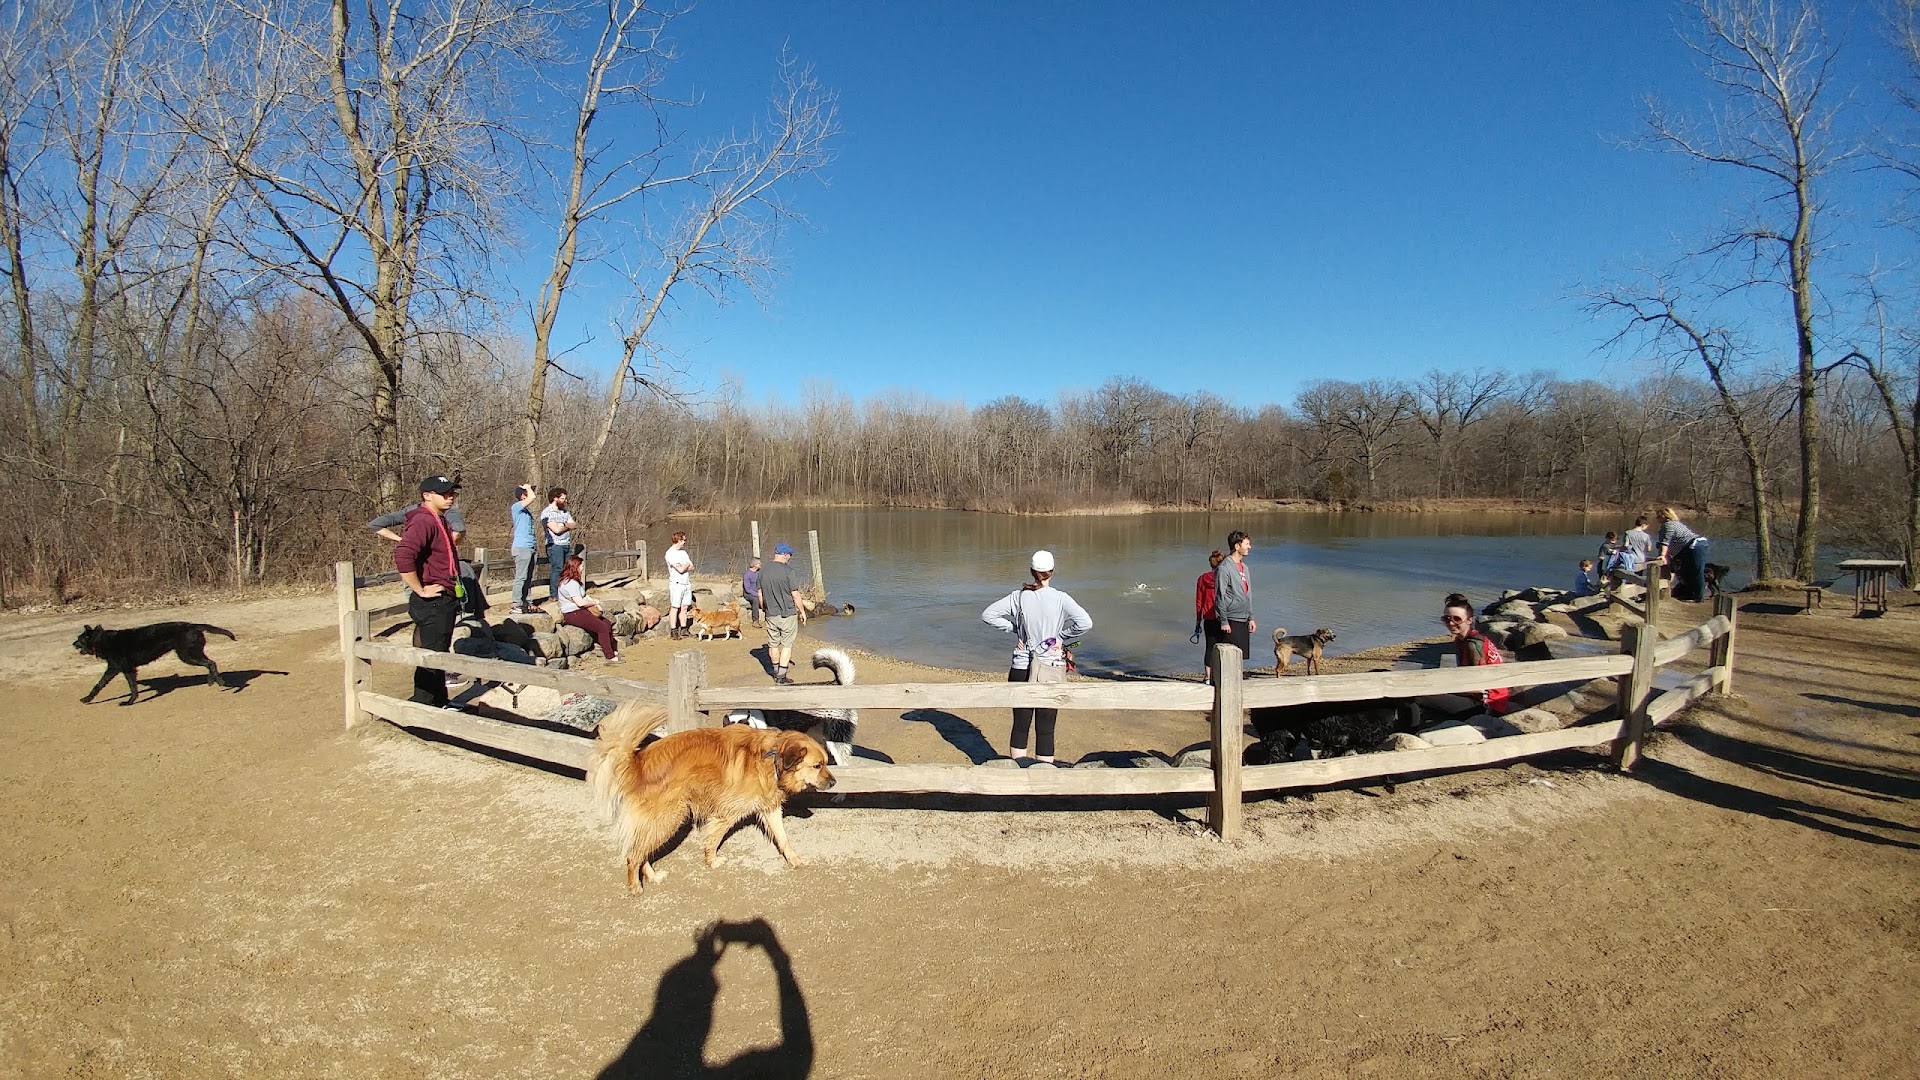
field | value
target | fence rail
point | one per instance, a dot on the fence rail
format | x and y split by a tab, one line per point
1226	782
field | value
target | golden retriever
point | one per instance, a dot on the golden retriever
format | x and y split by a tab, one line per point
717	776
721	622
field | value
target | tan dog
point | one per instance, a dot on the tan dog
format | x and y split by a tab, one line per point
722	622
717	776
1307	645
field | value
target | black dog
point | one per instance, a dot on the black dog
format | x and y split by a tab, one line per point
125	650
1330	728
1715	574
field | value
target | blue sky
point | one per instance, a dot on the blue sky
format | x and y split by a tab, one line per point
1030	198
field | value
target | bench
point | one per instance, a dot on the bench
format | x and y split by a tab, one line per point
1815	593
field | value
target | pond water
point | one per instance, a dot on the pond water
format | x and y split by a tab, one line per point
920	578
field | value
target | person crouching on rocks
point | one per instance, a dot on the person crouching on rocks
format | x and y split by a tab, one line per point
1045	622
1471	648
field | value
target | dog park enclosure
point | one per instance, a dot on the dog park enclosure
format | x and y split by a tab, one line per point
690	701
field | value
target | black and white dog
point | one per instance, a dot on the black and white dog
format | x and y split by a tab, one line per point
831	728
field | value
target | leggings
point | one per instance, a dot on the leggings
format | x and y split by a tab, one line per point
601	629
1210	629
1041	719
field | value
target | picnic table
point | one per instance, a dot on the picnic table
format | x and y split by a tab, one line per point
1870	581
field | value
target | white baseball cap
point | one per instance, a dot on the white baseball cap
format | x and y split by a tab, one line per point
1042	561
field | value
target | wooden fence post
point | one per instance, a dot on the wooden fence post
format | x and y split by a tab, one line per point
756	538
357	673
686	674
646	572
1229	718
1655	572
1635	687
813	548
480	569
1723	646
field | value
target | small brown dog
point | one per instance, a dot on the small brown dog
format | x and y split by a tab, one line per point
1307	645
722	622
717	776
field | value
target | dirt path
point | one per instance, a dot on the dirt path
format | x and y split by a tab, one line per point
225	884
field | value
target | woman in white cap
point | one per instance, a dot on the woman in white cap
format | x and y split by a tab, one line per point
1044	622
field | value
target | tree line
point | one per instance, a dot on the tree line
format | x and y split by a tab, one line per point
253	255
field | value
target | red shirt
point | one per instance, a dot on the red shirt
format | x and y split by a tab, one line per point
1204	590
426	548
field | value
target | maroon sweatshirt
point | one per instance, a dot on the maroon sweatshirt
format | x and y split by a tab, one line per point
426	547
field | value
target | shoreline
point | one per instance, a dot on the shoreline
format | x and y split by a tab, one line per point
1463	505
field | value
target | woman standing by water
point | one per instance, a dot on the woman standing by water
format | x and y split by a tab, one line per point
1205	614
1044	622
1685	551
1233	600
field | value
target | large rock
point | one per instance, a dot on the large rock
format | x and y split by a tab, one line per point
1533	634
1514	609
548	645
1451	733
538	621
1400	740
1532	721
574	641
1493	727
1200	758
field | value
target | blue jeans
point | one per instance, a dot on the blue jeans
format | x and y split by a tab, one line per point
522	574
557	561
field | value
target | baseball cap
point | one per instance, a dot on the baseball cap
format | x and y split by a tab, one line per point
439	485
783	548
1042	561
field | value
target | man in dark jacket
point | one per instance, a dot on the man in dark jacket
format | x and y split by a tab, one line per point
428	565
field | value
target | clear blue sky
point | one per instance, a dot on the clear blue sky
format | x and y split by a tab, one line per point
1032	197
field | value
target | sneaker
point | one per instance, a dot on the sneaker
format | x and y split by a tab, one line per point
782	680
455	680
516	610
616	660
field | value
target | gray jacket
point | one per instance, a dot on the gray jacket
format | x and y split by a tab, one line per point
1044	620
1232	599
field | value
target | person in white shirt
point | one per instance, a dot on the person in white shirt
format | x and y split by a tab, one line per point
679	587
556	528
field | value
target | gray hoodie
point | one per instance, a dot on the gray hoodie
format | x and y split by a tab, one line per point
1044	620
1232	600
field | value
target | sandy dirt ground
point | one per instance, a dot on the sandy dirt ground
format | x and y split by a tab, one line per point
224	883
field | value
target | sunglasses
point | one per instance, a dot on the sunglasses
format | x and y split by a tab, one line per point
1452	620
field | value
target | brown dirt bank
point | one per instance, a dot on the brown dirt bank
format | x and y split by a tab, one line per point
225	884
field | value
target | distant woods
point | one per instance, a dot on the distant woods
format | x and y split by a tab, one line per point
255	252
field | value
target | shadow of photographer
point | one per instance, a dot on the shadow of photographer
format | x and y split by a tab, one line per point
672	1043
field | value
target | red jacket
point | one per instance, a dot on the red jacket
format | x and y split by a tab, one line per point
426	547
1204	590
1475	650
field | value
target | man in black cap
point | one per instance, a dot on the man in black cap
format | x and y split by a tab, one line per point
426	560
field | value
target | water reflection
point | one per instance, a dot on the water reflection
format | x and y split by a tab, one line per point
921	577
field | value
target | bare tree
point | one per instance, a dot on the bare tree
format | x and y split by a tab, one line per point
618	76
1669	334
1448	404
372	144
1371	417
1768	65
727	238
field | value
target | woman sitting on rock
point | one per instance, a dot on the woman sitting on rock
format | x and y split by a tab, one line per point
1472	649
579	609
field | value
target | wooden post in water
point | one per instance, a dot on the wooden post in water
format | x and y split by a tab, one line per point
813	549
1635	689
358	673
1722	653
756	538
1228	719
686	674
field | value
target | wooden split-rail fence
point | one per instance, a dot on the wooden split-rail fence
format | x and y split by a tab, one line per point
690	702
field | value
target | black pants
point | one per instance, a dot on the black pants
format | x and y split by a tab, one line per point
1209	637
1239	635
433	619
1042	721
753	607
